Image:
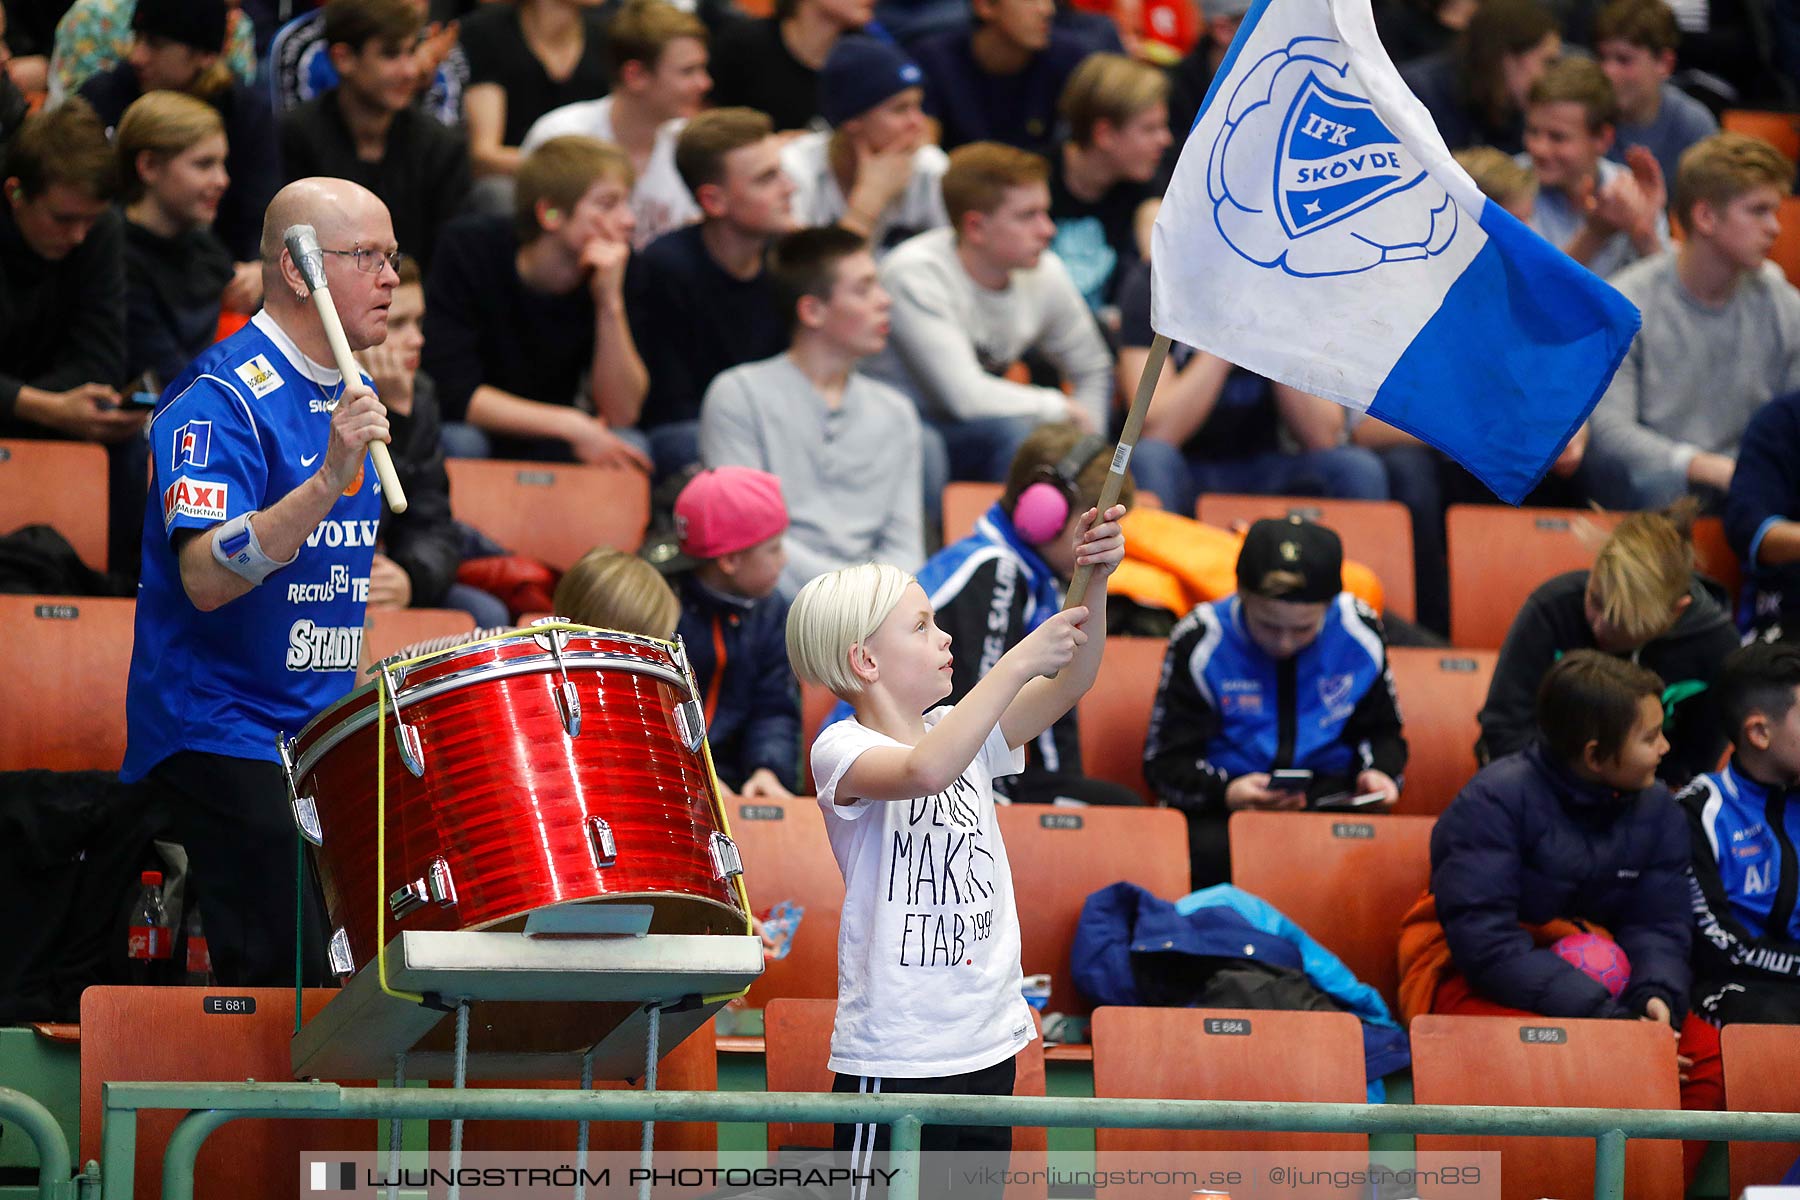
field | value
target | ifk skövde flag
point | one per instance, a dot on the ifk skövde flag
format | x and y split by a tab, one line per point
1317	232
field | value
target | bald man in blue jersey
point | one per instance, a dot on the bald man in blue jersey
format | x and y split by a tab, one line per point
256	554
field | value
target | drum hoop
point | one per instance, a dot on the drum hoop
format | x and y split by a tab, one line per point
534	664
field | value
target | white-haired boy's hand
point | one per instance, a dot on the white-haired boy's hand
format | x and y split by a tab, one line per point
1050	647
1100	544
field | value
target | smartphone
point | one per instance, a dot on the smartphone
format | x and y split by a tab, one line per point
1290	781
1346	800
139	400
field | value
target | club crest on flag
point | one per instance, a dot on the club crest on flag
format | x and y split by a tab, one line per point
1341	179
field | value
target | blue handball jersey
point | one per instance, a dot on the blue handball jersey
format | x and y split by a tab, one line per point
244	426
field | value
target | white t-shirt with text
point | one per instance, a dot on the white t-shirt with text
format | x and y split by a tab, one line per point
929	983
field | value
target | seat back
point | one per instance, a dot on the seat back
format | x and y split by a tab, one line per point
59	484
692	1066
1115	712
1779	129
67	659
963	505
1060	856
787	857
1713	556
131	1034
1761	1064
387	631
1544	1062
1224	1054
1376	533
1441	693
797	1038
551	512
1498	557
816	703
1361	875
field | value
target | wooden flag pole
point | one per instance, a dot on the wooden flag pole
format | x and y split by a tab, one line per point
1128	439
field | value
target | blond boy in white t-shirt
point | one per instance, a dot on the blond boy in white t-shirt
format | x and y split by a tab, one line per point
929	985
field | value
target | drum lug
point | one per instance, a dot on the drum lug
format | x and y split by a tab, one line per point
725	857
342	963
412	754
435	886
306	812
690	723
568	699
690	714
406	737
440	883
601	846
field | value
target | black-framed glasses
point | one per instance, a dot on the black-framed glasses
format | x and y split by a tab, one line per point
369	262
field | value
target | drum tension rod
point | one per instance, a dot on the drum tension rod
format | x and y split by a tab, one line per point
568	699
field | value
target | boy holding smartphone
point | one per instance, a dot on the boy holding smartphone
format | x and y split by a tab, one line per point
1277	697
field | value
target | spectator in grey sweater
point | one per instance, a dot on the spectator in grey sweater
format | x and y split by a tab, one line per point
972	301
1721	334
845	447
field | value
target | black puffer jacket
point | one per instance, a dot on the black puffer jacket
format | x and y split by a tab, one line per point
1527	842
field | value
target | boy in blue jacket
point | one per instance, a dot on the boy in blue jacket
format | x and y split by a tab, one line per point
1573	832
733	623
1745	820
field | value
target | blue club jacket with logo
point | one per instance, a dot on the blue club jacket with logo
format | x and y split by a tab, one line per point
1225	708
1744	881
244	426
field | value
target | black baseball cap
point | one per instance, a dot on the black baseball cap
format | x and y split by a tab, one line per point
1296	547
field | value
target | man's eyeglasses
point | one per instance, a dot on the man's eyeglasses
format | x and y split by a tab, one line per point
370	261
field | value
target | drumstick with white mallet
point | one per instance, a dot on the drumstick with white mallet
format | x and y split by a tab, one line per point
302	243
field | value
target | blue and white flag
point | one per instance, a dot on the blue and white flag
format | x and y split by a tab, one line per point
1317	232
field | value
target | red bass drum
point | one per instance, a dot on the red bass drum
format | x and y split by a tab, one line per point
542	768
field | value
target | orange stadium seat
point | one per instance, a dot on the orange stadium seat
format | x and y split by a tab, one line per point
387	631
1780	129
1361	875
1441	693
59	484
1715	558
787	857
1499	555
66	659
1376	533
1225	1054
1060	856
797	1034
133	1034
692	1066
1761	1064
1536	1062
1115	713
548	511
963	505
816	704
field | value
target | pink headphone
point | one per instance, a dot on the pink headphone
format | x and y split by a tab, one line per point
1042	509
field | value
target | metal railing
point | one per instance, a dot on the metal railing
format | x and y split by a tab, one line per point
212	1105
54	1182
